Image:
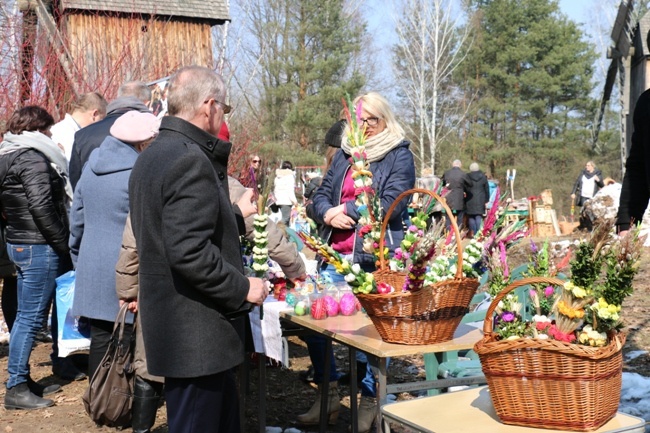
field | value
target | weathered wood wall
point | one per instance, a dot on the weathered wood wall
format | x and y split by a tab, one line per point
109	49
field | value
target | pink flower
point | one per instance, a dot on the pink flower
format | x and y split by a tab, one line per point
549	291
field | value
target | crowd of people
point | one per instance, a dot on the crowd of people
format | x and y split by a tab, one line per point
143	209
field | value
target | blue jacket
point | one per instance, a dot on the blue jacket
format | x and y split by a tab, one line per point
97	218
391	176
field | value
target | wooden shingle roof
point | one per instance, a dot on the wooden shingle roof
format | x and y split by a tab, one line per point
215	11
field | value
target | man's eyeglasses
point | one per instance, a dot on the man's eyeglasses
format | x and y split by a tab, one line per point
226	108
370	121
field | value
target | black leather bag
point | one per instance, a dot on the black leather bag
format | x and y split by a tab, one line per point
109	395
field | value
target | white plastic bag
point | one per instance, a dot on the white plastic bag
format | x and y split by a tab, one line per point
72	337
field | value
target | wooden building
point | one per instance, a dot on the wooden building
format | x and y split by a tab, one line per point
99	44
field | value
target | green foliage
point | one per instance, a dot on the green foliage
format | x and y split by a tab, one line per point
585	268
529	77
307	51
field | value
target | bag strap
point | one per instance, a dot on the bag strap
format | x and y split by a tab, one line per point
120	322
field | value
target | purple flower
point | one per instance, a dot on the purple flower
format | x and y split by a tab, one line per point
549	291
533	247
413	229
508	316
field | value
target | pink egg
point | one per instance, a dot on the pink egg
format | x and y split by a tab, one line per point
384	288
348	304
318	309
331	306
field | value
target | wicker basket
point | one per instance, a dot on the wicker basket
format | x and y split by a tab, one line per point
548	383
430	315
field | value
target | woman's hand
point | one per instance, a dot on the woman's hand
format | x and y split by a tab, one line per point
342	221
133	304
330	214
245	204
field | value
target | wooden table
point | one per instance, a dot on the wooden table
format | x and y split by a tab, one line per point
472	411
358	333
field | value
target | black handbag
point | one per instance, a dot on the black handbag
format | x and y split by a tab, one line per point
109	395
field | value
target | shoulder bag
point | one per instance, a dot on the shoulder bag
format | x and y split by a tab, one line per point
109	395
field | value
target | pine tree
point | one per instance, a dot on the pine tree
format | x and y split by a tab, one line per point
307	53
530	70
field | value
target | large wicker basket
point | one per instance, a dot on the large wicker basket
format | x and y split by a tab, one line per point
548	383
430	315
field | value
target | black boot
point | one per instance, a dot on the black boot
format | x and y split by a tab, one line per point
146	396
41	390
20	397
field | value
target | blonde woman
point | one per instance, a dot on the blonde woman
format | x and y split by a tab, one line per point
393	169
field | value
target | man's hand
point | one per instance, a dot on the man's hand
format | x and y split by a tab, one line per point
257	292
245	204
573	196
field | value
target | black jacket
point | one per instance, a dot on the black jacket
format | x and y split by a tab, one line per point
33	200
477	193
635	191
191	271
456	180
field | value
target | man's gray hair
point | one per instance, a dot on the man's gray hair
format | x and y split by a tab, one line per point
456	163
473	166
137	89
190	87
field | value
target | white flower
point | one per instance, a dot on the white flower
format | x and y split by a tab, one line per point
356	268
258	267
541	318
257	250
349	278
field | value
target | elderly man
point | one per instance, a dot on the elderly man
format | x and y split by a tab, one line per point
193	294
455	179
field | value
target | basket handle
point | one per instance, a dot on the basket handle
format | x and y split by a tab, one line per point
488	321
454	225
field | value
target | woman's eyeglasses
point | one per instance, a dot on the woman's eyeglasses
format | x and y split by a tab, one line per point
256	161
370	121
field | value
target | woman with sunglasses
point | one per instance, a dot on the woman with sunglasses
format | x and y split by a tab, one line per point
393	169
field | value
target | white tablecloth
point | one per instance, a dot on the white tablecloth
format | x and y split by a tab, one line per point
267	333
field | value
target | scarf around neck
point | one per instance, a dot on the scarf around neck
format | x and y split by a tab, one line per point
44	144
376	146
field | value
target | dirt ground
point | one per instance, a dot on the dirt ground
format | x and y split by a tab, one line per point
287	396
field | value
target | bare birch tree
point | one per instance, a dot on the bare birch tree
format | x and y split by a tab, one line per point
431	36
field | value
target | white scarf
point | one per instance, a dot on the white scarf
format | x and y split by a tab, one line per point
377	146
44	144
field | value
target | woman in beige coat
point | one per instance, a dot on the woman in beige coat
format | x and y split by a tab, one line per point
148	389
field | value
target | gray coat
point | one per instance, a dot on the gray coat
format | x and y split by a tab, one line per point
192	288
97	217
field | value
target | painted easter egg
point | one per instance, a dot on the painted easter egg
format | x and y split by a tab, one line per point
291	299
331	306
300	309
318	309
283	294
348	304
384	288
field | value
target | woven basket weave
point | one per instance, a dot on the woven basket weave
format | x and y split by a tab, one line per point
427	316
548	383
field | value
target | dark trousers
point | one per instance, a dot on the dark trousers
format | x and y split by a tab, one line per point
206	404
100	336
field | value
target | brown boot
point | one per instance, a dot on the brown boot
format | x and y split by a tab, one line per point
312	417
366	415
